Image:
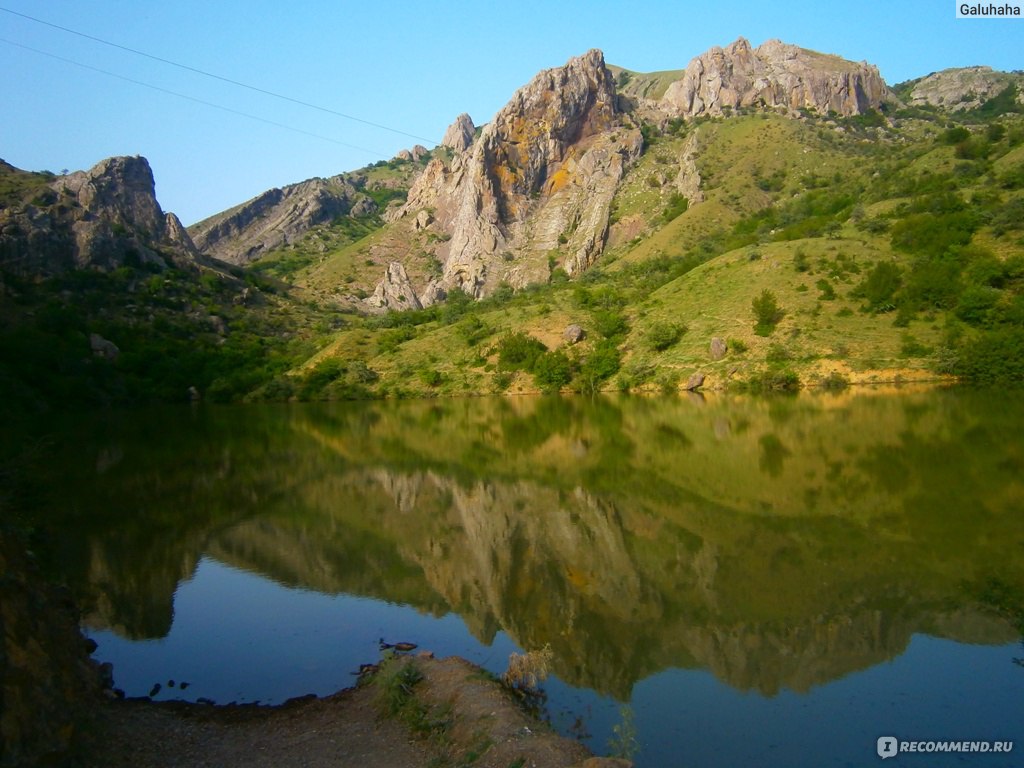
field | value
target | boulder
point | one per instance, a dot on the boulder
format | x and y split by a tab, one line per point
718	348
103	348
422	221
696	381
574	333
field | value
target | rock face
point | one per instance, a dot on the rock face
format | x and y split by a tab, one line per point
459	135
277	217
775	75
102	218
395	291
540	177
961	88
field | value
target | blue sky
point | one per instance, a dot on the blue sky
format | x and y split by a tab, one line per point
412	66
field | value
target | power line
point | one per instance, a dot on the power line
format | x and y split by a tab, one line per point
214	76
221	107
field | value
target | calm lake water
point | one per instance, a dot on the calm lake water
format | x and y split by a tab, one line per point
731	580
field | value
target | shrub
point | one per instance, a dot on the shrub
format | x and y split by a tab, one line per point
430	376
773	381
677	205
995	357
835	381
601	364
879	287
519	351
663	335
526	670
552	370
611	323
767	313
736	346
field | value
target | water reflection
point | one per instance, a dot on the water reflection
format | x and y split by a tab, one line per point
776	543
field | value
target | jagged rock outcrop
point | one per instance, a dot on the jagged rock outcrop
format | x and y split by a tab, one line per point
102	218
459	136
961	88
775	74
395	291
539	179
279	216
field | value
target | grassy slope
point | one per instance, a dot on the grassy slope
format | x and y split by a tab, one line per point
796	163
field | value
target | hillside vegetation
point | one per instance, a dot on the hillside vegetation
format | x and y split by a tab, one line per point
812	250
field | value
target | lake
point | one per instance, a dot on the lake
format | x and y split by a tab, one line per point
722	581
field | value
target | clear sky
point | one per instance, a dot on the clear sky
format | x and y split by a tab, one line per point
411	66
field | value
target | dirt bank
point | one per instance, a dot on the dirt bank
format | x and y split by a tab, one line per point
456	716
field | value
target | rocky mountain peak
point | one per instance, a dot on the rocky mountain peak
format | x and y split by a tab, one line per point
459	135
775	74
962	88
102	218
540	175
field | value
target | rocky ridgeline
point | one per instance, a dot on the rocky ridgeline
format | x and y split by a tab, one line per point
772	75
962	88
278	217
102	218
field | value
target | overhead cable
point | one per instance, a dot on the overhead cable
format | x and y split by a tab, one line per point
215	76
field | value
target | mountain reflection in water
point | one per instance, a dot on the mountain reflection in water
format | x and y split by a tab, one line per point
778	543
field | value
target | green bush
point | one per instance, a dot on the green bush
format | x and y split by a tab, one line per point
677	205
552	371
600	365
663	335
767	313
994	357
519	352
772	381
880	286
611	323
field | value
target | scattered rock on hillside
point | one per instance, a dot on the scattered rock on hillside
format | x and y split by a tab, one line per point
423	219
696	381
718	348
574	333
103	347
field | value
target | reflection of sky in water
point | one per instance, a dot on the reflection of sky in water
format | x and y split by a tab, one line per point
240	637
936	690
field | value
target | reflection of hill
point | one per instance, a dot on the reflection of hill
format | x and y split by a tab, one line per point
779	543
